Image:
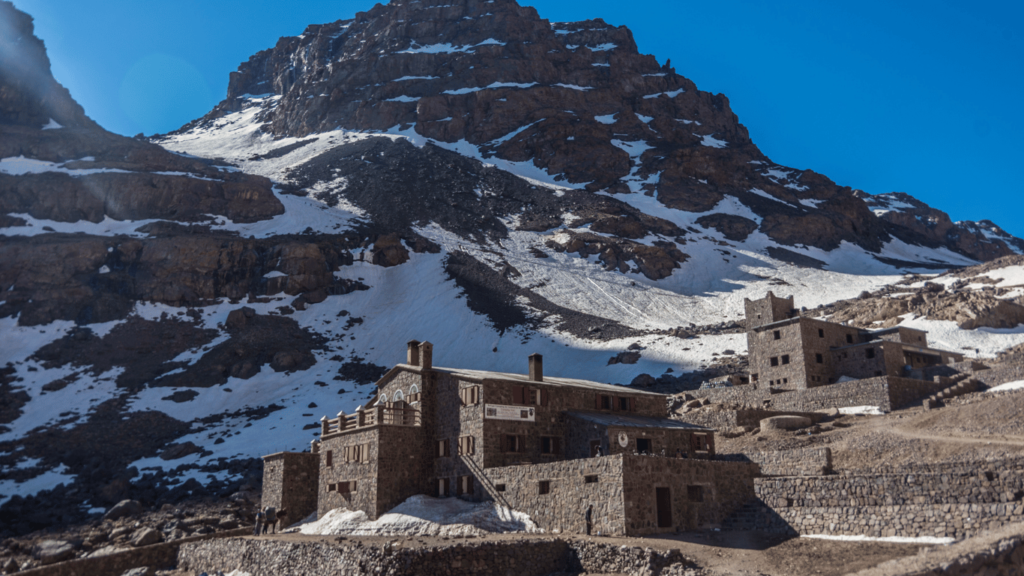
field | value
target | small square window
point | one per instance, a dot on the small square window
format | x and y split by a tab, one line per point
849	338
695	493
870	352
777	334
821	333
775	361
819	358
785	359
785	380
544	487
499	487
590	479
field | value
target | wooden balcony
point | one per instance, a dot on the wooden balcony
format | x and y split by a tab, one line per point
387	415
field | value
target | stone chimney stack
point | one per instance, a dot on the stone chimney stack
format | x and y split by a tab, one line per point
426	355
536	368
413	353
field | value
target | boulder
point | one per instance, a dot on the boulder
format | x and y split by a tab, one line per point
123	509
53	551
146	536
643	380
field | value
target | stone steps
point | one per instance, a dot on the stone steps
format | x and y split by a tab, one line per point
965	385
745	518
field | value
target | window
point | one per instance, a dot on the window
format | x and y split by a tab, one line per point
443	487
753	377
643	446
499	487
775	361
467	444
357	453
785	358
383	399
626	404
347	487
519	394
604	402
695	493
443	449
469	396
538	397
590	479
330	458
870	352
399	396
821	333
785	380
550	445
819	359
515	443
464	485
849	338
544	487
699	443
414	394
777	334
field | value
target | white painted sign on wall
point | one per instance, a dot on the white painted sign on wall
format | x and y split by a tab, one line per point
499	412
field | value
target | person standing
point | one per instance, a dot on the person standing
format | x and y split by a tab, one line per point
259	522
589	517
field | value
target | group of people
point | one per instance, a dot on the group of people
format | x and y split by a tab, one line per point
268	517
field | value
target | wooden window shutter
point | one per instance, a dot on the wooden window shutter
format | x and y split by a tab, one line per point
632	404
475	390
330	458
597	401
518	395
556	445
544	397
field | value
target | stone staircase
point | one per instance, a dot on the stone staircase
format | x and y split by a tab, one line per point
965	384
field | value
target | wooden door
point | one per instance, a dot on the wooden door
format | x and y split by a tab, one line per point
664	501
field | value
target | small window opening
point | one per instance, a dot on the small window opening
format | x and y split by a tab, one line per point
785	359
777	334
643	446
775	361
695	493
821	333
590	479
544	487
819	358
499	487
849	338
870	352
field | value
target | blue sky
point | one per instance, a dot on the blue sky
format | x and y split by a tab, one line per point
918	97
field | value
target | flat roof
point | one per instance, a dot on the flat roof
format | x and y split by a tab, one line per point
633	420
480	375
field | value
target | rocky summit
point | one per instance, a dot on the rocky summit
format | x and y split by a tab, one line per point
458	171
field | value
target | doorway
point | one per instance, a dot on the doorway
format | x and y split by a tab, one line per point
664	501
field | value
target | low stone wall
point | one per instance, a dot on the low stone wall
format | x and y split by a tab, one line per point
801	462
523	557
979	467
997	376
163	555
952	505
722	420
885	392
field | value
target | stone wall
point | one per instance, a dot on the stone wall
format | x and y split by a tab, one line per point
721	488
951	505
291	482
162	555
404	466
1001	375
722	420
522	557
562	509
801	462
998	552
886	392
335	469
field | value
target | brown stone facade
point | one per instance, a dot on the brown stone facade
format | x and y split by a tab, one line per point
460	433
290	481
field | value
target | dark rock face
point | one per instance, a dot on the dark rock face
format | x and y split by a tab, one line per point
735	228
136	179
92	279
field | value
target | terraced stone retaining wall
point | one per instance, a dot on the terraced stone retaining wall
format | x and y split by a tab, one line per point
801	462
886	392
722	420
944	505
523	557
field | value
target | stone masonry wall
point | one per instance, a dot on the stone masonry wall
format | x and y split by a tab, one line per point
722	420
363	473
562	509
291	483
404	466
527	557
724	487
800	462
951	505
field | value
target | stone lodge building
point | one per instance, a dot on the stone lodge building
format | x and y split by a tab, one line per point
788	351
550	447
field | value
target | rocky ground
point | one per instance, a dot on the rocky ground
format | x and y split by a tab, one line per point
128	524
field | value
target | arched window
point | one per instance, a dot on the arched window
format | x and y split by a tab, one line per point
383	399
414	390
399	397
414	394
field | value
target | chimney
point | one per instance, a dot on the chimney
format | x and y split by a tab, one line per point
536	368
426	355
413	354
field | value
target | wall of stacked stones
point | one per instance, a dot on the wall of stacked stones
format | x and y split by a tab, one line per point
954	505
977	468
363	473
868	392
723	420
726	486
904	392
996	376
801	462
404	468
534	557
562	509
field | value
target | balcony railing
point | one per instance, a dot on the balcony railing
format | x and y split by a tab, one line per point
379	414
